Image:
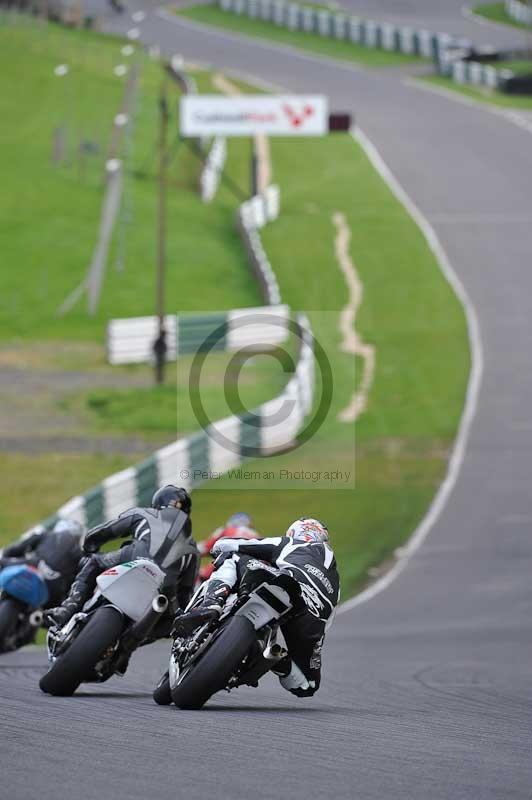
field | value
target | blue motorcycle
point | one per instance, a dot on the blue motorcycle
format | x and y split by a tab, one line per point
23	593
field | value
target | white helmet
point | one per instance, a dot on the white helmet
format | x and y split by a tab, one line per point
307	529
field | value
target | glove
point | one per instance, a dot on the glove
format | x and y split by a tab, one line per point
224	546
91	544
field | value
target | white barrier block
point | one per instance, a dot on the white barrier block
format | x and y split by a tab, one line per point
425	43
388	36
292	16
354	30
272	199
130	341
371	33
265	9
258	207
475	72
324	23
308	16
279	8
173	464
339	26
490	77
74	509
459	73
224	444
262	327
406	38
119	493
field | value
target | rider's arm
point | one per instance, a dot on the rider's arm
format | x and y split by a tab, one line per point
113	529
266	549
24	545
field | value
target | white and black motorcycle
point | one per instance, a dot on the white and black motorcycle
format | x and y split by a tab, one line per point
98	641
236	650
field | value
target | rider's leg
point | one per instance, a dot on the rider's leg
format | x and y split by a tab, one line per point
300	672
85	581
217	590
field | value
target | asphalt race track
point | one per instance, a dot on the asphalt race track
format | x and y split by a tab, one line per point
427	690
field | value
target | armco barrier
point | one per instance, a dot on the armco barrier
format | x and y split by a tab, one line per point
130	340
452	56
519	11
191	461
339	25
251	217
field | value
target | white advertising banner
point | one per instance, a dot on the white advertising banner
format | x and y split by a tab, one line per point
247	115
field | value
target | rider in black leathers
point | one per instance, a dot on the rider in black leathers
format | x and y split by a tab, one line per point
303	554
162	533
56	553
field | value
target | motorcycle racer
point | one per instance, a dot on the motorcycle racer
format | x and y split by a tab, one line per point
157	534
238	526
304	553
55	553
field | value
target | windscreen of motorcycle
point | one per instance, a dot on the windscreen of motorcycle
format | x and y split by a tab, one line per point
131	586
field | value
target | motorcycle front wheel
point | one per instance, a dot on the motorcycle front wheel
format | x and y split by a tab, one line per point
71	668
214	669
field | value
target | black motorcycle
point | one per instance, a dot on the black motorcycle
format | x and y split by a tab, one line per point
237	649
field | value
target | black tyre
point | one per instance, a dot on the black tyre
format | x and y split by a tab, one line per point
214	669
162	694
101	632
9	611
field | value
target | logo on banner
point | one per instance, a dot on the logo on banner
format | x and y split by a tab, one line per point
297	119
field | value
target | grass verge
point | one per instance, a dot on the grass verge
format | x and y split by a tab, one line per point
496	12
482	94
334	48
31	485
418	328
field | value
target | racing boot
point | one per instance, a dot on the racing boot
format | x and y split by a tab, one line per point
59	616
210	609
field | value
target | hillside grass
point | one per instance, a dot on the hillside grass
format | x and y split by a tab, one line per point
496	12
408	313
482	94
211	14
51	214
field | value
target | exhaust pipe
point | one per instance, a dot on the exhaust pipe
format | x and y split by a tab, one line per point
159	604
274	652
35	619
141	629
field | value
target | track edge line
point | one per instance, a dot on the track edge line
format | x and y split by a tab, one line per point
445	489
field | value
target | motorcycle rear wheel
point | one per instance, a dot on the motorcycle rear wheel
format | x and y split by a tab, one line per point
214	669
101	632
161	693
9	611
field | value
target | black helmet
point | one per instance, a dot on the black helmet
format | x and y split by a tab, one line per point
172	497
